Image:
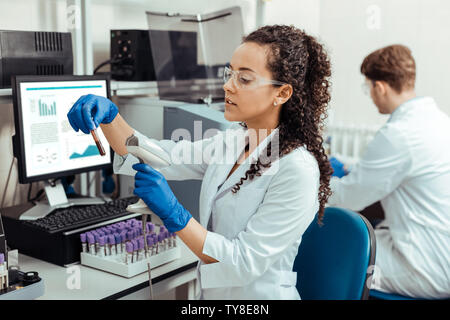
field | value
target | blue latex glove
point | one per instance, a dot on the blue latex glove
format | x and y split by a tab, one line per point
89	111
152	187
338	168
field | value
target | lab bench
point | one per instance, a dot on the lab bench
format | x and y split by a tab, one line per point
79	282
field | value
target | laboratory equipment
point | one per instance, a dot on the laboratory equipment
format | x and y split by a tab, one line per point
191	51
55	238
45	145
23	286
15	284
150	153
130	56
34	53
119	248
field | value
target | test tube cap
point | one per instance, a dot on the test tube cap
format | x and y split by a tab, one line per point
135	244
2	258
130	235
129	247
90	238
111	239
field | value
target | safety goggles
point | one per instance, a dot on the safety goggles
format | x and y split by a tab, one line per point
245	79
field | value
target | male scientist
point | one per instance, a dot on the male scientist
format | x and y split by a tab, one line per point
407	168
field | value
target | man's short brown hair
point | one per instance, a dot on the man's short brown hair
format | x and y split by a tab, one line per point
392	64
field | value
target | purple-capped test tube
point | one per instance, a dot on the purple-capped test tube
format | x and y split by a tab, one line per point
118	243
160	242
112	244
101	245
123	236
166	239
135	249
91	242
129	252
150	245
83	242
130	235
140	249
173	235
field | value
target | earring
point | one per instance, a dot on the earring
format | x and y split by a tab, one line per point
274	103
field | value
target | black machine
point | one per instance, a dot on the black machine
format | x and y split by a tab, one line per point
34	53
131	56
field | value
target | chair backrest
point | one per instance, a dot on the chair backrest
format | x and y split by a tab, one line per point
335	260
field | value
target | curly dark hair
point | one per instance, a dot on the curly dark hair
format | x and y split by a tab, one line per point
298	59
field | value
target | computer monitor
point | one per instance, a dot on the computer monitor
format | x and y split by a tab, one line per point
45	144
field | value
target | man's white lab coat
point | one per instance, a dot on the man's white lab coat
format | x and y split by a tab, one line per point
255	233
407	168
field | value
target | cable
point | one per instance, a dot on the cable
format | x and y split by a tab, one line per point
29	191
7	182
104	63
109	61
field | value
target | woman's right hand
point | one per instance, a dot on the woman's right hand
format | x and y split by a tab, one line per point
89	111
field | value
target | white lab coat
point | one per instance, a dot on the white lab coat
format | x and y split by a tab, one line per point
407	168
255	233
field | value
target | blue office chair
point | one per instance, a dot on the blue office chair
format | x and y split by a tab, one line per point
335	260
380	295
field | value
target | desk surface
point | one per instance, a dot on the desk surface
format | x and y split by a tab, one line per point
96	284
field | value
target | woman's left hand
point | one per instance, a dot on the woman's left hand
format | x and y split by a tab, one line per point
153	189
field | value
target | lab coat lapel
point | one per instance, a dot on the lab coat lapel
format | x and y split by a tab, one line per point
243	167
233	145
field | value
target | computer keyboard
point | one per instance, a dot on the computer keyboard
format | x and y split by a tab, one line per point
76	217
56	237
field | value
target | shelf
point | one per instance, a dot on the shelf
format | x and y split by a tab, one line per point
119	88
134	88
5	92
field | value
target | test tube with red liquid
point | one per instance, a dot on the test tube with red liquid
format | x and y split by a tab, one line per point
97	142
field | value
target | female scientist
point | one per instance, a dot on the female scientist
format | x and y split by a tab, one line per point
255	203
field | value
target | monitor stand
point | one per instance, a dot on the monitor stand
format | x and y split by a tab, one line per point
57	198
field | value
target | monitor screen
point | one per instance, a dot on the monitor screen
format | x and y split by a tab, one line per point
46	145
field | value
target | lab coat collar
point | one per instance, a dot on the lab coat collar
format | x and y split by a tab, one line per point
235	144
411	103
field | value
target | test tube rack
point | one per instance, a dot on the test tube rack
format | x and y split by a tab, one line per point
116	264
130	260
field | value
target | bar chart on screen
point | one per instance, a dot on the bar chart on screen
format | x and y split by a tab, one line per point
46	109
